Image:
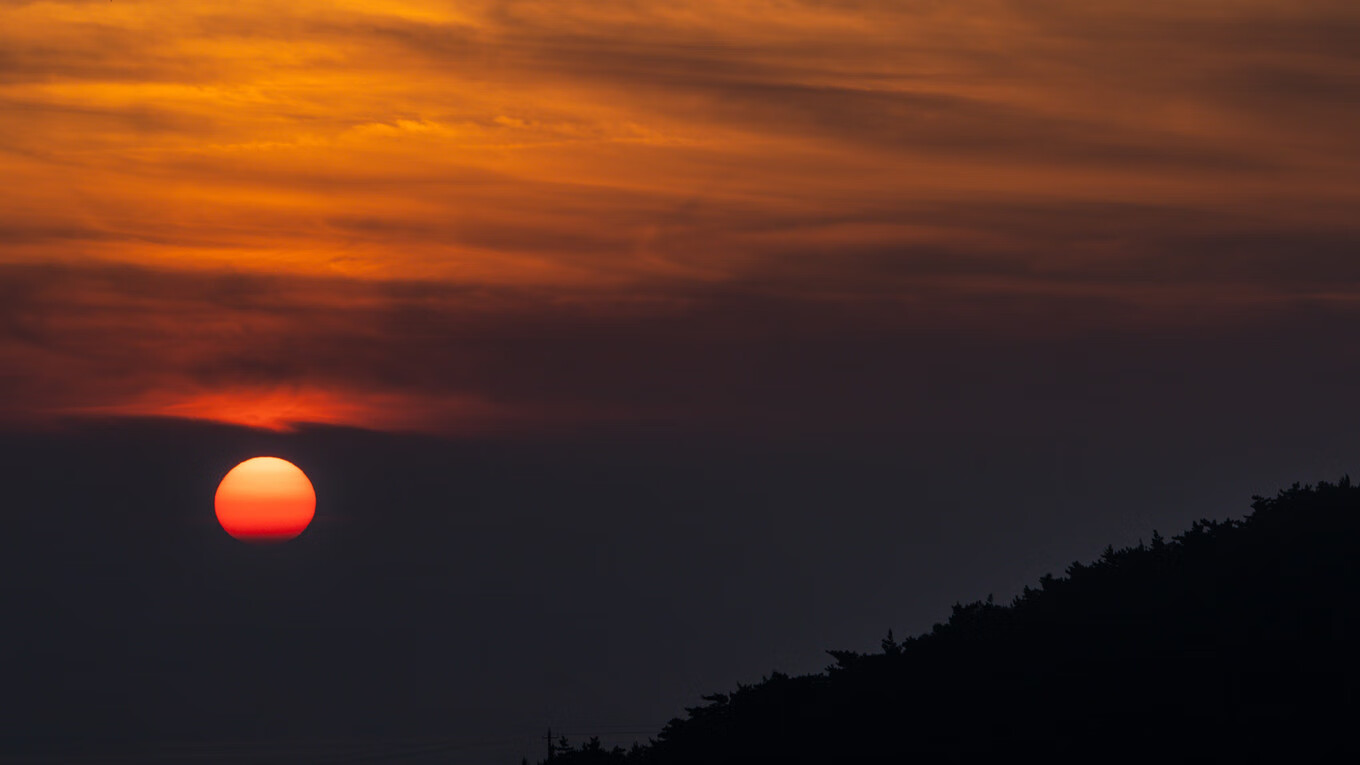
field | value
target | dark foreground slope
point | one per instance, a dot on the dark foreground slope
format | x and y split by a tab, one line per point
1236	640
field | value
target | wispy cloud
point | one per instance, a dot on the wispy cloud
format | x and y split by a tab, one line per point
228	199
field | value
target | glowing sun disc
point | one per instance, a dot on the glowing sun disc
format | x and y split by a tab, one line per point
265	499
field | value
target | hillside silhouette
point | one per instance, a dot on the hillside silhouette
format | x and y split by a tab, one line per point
1236	640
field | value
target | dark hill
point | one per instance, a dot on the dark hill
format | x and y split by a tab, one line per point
1236	640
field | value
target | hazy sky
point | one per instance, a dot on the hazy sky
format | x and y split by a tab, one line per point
656	345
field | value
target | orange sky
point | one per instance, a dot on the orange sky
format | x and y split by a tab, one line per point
349	211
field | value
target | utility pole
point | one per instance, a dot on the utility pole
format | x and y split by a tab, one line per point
550	746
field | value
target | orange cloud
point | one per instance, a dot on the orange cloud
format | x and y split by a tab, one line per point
518	154
284	409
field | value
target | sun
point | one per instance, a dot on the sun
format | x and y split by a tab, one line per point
265	499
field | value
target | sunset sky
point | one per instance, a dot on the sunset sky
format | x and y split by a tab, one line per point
451	216
634	349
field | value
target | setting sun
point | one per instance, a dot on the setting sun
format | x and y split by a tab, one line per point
265	499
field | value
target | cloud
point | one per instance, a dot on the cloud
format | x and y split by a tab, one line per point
420	201
950	351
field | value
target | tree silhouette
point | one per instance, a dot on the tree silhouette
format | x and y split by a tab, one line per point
1236	640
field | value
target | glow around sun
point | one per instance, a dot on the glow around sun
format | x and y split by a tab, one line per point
265	499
